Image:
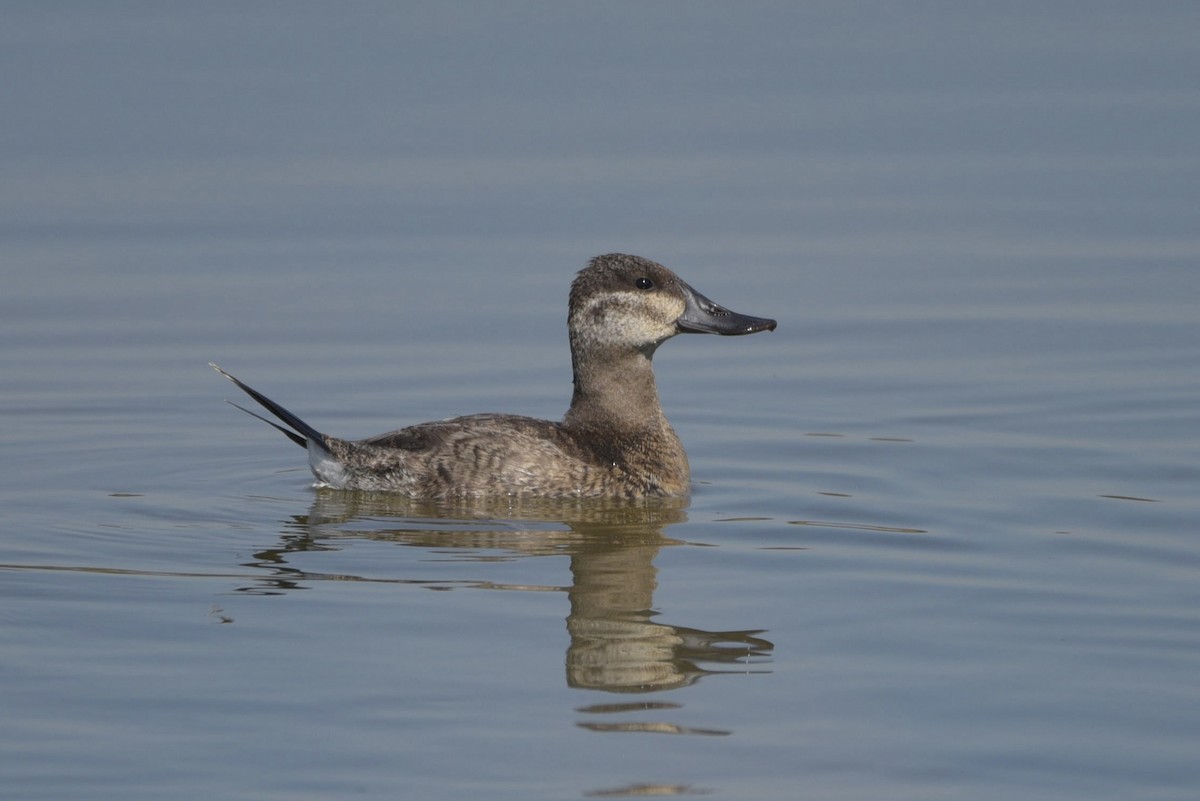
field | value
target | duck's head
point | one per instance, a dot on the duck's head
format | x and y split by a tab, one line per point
629	302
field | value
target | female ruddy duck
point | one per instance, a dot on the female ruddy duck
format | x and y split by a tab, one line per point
614	442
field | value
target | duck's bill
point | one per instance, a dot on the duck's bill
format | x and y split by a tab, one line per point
702	316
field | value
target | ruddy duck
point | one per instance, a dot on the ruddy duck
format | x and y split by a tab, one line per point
614	442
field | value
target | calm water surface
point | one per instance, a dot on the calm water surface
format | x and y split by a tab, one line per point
943	536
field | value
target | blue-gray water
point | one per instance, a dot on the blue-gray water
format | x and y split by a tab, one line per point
943	537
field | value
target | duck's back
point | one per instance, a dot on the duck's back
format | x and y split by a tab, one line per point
502	454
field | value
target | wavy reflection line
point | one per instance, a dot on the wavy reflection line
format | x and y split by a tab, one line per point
643	706
290	575
856	526
652	727
644	789
121	571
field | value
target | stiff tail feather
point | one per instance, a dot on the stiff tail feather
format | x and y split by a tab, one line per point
306	433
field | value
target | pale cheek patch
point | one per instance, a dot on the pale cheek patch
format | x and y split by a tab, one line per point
629	318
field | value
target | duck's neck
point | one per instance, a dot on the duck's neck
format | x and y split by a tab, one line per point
614	390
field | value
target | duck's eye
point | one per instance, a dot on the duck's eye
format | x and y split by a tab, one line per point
644	283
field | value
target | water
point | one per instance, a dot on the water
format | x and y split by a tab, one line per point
942	542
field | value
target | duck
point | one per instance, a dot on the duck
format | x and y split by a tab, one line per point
613	442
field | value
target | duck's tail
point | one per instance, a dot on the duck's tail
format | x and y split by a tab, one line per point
300	432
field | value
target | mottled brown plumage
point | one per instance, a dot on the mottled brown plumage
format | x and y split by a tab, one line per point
613	442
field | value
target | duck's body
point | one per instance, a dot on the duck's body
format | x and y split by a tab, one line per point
613	442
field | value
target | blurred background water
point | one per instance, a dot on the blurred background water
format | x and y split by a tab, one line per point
943	537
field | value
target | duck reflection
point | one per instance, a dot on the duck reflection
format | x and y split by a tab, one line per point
617	646
616	643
